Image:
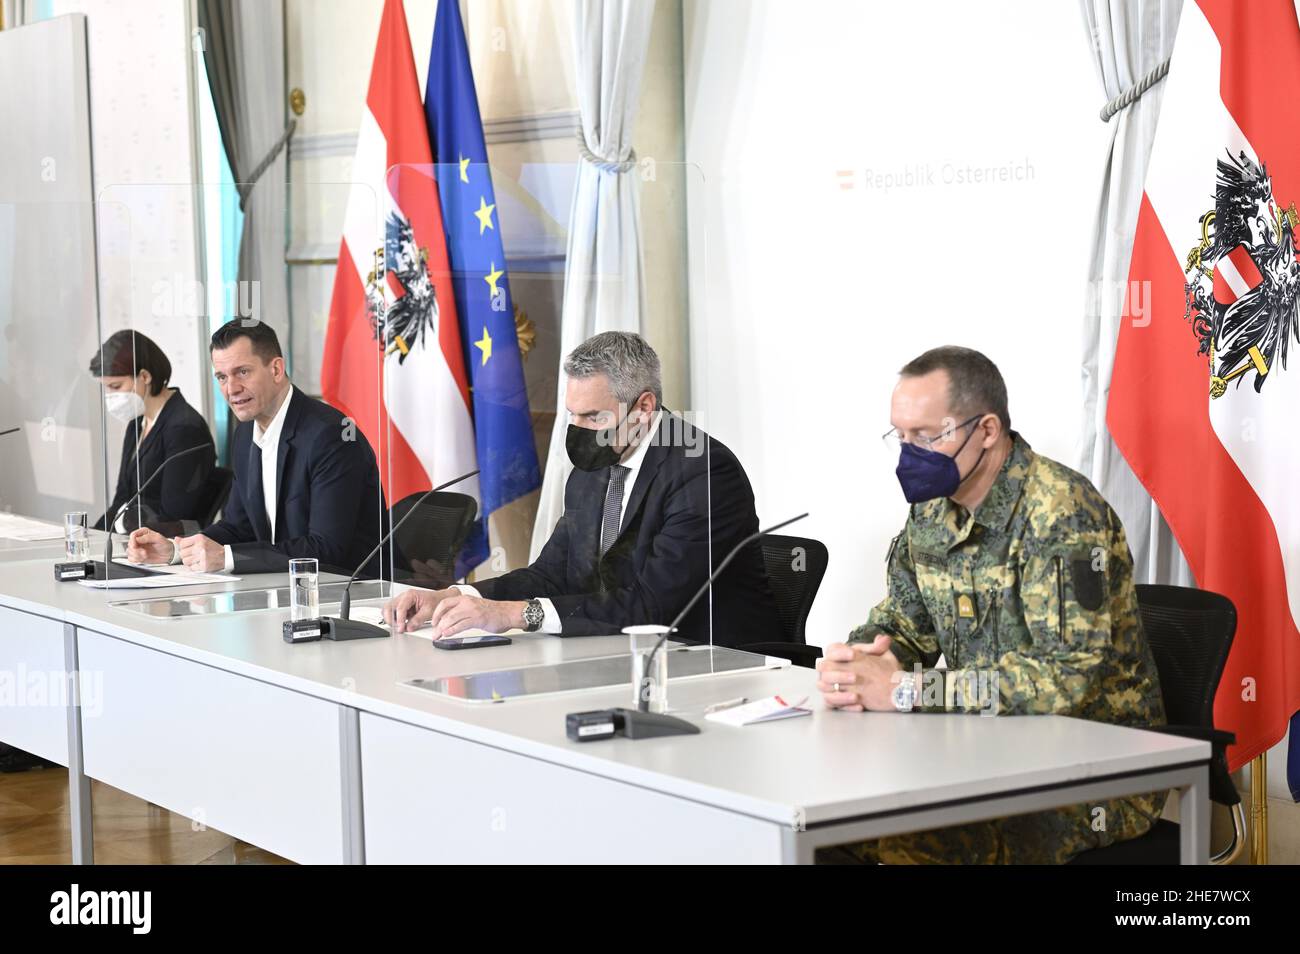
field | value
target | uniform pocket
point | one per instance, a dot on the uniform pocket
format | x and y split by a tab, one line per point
1059	561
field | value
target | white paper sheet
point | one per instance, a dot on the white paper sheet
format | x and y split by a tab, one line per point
768	709
15	527
162	576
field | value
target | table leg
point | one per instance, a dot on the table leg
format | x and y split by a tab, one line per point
1194	820
80	809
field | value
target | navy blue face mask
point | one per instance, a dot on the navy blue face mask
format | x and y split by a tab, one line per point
925	474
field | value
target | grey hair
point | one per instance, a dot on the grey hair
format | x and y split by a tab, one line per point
625	358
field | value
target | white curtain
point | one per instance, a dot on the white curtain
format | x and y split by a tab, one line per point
604	286
13	13
1129	40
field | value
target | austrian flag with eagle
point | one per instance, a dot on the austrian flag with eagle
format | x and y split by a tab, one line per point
1202	403
393	360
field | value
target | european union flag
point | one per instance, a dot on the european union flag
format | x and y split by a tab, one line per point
507	456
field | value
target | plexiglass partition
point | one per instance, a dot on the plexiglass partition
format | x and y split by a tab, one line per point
50	418
480	315
178	413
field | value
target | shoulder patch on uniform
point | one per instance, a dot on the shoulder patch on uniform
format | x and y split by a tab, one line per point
1089	583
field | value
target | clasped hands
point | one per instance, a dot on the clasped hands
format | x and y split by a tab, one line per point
196	551
859	676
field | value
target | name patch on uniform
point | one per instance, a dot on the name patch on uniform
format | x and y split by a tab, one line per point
925	558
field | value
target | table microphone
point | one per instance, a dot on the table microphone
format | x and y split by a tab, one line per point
341	627
93	569
641	723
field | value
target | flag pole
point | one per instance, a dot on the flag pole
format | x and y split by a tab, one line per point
1259	809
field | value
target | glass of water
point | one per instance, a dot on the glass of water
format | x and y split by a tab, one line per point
649	667
304	593
76	538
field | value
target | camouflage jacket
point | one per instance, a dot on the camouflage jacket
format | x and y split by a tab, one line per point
1030	600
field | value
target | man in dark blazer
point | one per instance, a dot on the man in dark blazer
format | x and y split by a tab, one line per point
306	484
635	541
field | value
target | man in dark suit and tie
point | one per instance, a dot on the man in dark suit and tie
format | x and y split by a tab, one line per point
651	498
306	484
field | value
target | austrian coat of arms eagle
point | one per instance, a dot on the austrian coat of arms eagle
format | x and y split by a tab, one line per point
401	324
1243	278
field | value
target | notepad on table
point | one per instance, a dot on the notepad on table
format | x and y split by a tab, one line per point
768	709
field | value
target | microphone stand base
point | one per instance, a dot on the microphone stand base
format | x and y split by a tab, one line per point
97	570
332	627
635	724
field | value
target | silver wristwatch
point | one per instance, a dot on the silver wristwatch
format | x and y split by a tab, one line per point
904	694
533	616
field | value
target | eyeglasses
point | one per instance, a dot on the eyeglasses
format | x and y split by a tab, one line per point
894	440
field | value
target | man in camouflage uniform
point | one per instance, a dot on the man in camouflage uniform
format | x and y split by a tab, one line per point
1016	570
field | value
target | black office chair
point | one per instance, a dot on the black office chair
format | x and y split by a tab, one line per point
219	483
426	545
1190	632
795	567
216	491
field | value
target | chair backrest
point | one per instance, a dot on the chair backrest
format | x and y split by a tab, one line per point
1190	632
426	545
795	567
219	483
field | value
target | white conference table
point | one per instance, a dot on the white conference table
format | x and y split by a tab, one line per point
315	751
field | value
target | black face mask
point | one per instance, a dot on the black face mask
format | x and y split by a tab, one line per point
593	449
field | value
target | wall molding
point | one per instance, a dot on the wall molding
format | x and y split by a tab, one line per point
529	128
526	260
312	253
533	127
323	145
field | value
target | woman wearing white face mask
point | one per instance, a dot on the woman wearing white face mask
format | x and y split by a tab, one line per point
159	423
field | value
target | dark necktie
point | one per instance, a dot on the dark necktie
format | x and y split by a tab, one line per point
613	507
256	499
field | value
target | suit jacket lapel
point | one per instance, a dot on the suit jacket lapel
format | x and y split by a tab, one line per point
655	454
158	424
282	451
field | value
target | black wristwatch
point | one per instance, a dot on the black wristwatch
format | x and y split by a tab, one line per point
533	616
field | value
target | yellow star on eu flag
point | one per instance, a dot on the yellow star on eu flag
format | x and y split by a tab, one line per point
484	215
492	277
464	166
485	345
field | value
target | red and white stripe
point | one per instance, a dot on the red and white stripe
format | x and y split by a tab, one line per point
1235	274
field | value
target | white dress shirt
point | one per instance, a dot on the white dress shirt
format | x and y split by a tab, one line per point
550	617
268	441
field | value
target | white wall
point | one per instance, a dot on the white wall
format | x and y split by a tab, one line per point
809	289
